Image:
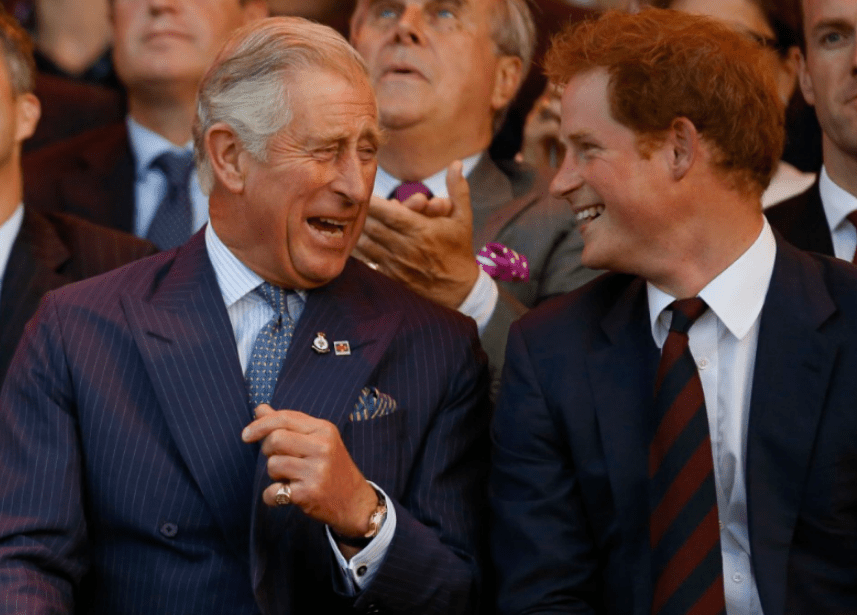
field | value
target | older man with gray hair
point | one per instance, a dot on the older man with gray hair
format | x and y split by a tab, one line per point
197	433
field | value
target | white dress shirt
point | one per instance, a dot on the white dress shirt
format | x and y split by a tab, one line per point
8	233
723	343
150	183
248	313
837	204
482	300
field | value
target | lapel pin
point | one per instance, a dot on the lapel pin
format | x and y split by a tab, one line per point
320	345
342	348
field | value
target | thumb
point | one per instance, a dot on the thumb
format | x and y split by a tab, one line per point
459	193
262	410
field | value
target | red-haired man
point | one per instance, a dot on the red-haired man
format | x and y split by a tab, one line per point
679	435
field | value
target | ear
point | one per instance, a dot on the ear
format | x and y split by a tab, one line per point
805	80
682	147
507	79
254	9
28	111
787	73
225	151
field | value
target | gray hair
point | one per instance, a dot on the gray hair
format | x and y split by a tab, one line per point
18	54
247	87
514	32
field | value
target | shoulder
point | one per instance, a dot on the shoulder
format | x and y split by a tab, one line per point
381	295
580	311
109	141
788	212
109	247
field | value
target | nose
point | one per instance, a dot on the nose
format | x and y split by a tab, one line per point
159	6
353	177
410	28
567	178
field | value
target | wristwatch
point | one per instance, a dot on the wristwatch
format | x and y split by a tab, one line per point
376	520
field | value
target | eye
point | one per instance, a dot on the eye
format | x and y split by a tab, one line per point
833	38
386	11
367	153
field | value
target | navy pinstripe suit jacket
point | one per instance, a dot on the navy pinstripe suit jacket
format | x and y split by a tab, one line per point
126	487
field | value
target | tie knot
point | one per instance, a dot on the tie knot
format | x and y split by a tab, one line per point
685	312
176	166
275	296
405	190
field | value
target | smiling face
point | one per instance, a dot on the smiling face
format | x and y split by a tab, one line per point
301	211
829	74
432	62
164	42
614	190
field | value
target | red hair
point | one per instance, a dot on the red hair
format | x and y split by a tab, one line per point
664	65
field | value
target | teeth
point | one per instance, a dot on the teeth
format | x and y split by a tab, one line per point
590	213
338	223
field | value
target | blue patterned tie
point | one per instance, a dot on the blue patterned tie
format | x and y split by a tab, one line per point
271	346
172	224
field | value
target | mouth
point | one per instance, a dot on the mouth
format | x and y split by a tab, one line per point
589	214
328	227
402	70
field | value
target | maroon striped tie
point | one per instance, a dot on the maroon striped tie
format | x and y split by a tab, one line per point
687	566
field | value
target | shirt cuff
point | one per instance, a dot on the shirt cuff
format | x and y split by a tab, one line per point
481	301
360	571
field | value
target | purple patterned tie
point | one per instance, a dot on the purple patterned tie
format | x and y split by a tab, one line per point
405	190
503	263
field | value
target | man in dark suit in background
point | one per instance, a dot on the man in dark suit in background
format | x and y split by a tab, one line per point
123	175
133	476
444	73
38	253
823	218
679	436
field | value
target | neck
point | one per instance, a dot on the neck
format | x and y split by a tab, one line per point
12	193
703	251
73	34
841	167
415	153
172	118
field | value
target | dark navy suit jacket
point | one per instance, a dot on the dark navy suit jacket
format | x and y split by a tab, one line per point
802	222
126	487
572	427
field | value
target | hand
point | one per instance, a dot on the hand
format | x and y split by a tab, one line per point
426	244
308	453
542	146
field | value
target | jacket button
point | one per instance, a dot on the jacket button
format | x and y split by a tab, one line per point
169	530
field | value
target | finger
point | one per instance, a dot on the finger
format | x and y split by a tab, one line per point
459	193
284	468
289	443
416	202
392	215
291	420
269	495
438	207
262	410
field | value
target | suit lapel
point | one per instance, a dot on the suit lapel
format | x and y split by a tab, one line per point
37	254
323	385
622	375
186	342
101	188
794	361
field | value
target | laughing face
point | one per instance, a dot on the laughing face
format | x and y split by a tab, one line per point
613	189
304	207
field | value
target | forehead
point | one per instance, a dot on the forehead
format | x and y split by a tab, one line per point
329	105
585	103
479	8
820	12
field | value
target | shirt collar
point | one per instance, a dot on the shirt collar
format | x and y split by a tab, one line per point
8	233
234	278
386	183
837	202
736	296
148	145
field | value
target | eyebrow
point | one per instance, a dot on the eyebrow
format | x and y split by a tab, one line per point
836	23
